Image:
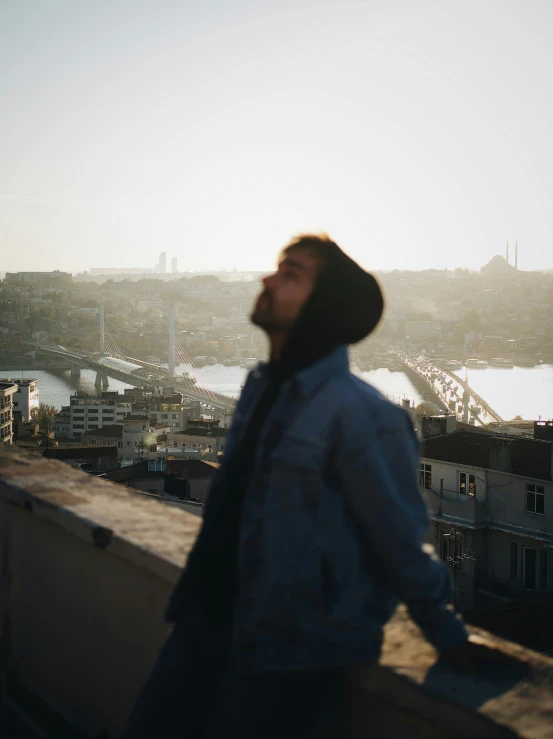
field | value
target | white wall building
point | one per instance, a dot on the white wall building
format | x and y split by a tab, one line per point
25	397
95	411
139	440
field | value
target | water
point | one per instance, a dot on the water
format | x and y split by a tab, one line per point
520	391
56	386
524	391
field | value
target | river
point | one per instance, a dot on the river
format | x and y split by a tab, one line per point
524	391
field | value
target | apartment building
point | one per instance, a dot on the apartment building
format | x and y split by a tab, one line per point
138	441
91	412
169	409
61	423
206	439
25	399
7	391
490	501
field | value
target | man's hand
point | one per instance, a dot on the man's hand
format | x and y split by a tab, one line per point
471	654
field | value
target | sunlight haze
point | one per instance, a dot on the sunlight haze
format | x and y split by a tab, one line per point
418	134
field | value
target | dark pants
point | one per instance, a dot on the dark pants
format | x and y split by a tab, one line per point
189	695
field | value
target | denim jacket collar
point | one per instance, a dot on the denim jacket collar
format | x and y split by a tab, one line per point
309	379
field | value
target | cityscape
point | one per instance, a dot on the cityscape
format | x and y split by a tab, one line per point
276	370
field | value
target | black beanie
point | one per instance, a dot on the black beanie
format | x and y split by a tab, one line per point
344	307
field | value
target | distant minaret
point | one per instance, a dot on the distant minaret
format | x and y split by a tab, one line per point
507	253
516	254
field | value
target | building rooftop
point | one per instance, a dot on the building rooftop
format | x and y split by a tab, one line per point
132	552
23	381
519	455
216	431
80	452
112	431
7	388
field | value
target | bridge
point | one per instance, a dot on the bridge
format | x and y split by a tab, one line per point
453	393
110	362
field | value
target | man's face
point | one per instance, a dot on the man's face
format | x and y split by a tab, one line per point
286	291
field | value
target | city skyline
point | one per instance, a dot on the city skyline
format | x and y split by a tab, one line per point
418	137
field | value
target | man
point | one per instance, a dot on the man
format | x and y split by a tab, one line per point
312	533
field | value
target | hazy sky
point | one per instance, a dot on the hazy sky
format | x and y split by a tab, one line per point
418	134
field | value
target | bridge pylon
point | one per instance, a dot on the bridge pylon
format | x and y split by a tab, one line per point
101	381
102	329
171	359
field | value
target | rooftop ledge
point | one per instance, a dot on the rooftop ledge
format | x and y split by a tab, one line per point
86	568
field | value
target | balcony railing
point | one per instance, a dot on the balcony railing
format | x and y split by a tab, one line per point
86	568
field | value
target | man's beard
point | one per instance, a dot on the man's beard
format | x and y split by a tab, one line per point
263	313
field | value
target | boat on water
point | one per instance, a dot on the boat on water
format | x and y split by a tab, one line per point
502	362
231	362
453	365
476	363
525	362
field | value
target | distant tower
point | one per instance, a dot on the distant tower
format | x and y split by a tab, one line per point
163	262
516	254
174	269
507	253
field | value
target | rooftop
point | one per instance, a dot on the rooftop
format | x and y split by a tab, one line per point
57	523
80	452
112	431
522	456
199	431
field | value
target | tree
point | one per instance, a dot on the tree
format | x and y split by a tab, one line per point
43	415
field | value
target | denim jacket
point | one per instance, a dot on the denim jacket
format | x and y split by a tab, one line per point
332	526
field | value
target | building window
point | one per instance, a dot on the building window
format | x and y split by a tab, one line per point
78	425
513	572
543	569
165	415
467	483
156	465
451	551
425	476
175	415
535	498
